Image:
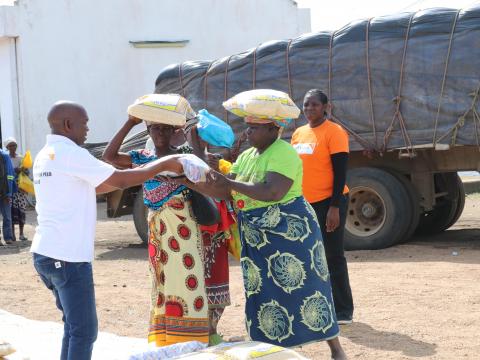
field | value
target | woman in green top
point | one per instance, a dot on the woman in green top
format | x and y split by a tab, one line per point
287	286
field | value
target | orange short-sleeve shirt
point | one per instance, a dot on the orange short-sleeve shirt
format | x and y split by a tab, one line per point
314	146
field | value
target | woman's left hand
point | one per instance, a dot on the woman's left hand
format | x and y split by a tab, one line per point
333	219
213	161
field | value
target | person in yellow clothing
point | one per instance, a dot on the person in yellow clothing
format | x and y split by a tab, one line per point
323	147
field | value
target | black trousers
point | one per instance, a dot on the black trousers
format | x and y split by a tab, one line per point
337	264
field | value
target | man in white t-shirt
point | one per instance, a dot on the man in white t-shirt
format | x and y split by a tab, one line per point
67	178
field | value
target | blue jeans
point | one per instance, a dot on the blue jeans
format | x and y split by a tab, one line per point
72	285
6	210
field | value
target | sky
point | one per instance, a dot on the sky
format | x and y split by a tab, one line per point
333	15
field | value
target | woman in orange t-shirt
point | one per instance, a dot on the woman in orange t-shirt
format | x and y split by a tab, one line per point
323	147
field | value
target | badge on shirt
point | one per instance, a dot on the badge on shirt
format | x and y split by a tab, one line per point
304	148
58	264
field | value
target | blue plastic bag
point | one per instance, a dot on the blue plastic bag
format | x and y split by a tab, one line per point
214	131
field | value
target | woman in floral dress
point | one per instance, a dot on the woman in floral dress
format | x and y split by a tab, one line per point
179	309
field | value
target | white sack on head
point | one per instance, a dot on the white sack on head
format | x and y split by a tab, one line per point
263	104
170	109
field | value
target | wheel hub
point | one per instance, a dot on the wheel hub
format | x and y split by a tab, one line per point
366	212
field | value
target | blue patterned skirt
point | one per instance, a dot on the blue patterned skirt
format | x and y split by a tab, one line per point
287	284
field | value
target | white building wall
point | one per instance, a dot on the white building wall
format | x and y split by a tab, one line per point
79	49
9	116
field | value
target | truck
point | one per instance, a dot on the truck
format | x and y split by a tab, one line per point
404	86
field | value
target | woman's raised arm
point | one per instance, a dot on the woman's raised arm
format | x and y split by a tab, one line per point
111	153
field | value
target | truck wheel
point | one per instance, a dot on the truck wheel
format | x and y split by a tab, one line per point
378	205
460	203
448	208
140	214
414	201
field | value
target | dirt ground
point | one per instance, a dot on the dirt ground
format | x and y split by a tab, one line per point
416	300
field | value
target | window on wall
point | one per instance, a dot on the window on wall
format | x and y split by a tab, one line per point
159	43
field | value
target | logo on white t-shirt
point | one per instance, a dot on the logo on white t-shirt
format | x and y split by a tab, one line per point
304	148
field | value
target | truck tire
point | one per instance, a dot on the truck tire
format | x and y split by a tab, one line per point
460	203
448	208
414	196
140	214
378	205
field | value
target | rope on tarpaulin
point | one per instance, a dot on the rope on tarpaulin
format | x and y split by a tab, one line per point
180	78
289	78
444	79
369	81
397	116
254	69
367	145
205	85
225	94
472	109
462	118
